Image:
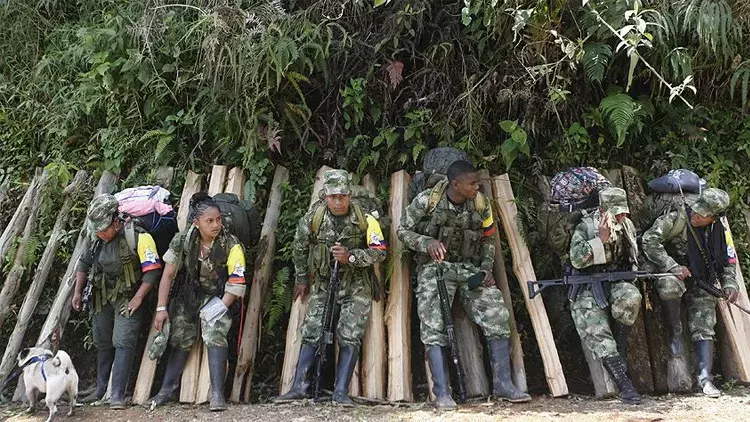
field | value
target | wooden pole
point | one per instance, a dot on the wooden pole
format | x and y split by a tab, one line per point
263	269
398	309
18	221
297	315
145	379
196	370
13	281
505	202
40	277
372	361
501	280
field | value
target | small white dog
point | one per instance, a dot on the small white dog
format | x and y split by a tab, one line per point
51	374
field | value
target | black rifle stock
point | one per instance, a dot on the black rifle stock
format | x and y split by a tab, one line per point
715	291
445	309
596	280
326	337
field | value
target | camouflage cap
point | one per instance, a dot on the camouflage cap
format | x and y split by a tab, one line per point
712	203
101	212
161	338
336	182
614	200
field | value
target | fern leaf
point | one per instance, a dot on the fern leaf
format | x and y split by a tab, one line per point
619	113
595	59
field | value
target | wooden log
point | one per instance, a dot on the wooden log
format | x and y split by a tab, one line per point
471	351
40	276
297	314
263	269
145	379
18	221
196	369
13	281
372	361
522	266
638	353
398	309
735	349
501	280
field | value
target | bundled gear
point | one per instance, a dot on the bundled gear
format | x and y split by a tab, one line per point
676	181
240	218
574	194
435	169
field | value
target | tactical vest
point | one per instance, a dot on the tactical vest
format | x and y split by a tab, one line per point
325	234
109	288
459	230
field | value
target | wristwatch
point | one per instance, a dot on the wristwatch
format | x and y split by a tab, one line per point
352	258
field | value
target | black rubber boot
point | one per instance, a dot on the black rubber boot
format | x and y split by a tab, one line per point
502	384
347	360
622	337
704	353
104	359
677	345
301	383
175	366
616	367
440	378
120	374
217	369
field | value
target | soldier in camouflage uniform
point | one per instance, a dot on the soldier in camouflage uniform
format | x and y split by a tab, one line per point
356	245
606	241
450	227
676	243
121	276
210	267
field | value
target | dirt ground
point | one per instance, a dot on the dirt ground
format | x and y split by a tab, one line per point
732	406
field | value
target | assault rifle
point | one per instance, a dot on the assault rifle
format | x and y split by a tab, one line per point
326	338
715	291
596	281
87	297
445	309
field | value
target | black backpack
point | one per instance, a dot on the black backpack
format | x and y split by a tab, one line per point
239	218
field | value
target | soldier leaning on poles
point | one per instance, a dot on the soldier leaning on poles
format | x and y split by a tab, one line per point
450	227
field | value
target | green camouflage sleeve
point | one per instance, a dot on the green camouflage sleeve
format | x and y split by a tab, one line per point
375	251
487	249
729	277
301	248
654	239
407	230
585	252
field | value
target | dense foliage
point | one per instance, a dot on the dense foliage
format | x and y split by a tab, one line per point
526	86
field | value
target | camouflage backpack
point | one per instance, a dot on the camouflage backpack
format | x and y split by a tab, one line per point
574	193
435	169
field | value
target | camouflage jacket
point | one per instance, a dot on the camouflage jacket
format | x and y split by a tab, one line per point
587	250
666	245
464	230
311	251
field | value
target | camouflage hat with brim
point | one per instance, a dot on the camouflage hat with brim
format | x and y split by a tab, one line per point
101	213
336	182
159	345
712	203
614	200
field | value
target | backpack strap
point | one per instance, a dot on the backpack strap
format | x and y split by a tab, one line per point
361	219
436	194
131	237
480	202
317	219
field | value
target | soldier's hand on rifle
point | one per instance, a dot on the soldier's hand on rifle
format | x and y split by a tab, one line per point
489	280
77	301
300	290
603	230
340	253
682	272
436	249
160	318
732	294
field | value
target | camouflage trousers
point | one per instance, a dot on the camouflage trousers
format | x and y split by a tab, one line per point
592	322
184	327
484	305
354	300
112	329
701	306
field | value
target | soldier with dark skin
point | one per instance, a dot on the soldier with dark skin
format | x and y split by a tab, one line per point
691	243
211	266
122	275
449	227
356	245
